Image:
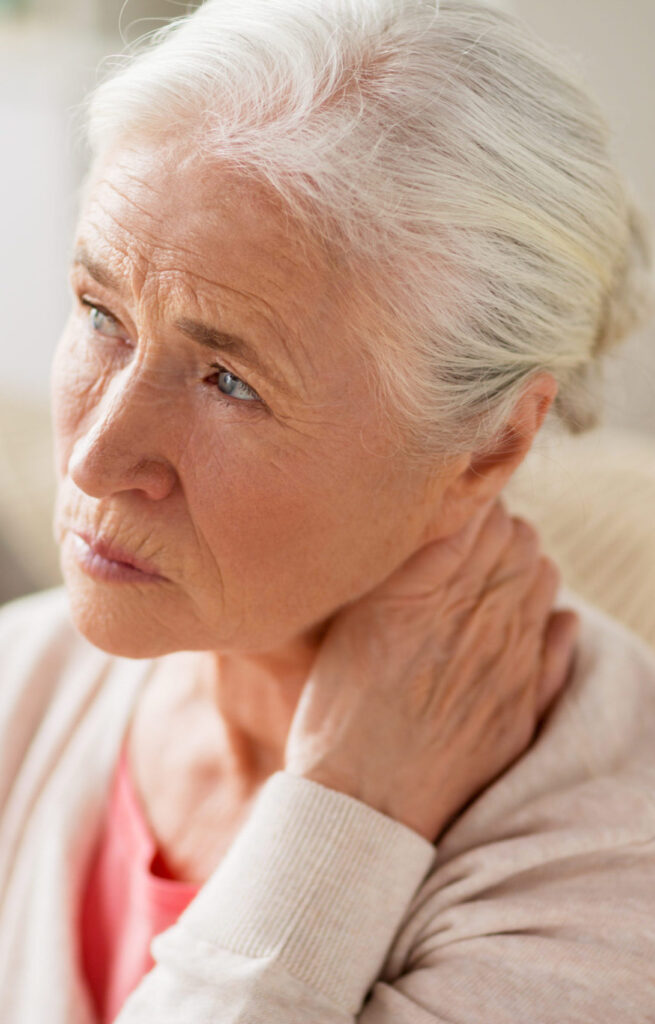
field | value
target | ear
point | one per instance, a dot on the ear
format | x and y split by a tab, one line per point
479	477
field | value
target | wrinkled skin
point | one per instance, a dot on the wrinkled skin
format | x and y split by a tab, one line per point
266	515
456	657
264	519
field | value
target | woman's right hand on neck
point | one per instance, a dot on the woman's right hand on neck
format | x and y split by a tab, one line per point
433	684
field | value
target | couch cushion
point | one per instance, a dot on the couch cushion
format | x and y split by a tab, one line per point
592	498
27	485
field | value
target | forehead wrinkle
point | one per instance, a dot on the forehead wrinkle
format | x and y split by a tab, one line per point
275	322
170	280
282	329
141	182
131	255
175	250
171	293
286	335
321	306
132	201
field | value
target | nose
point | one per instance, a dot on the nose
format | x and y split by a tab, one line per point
120	449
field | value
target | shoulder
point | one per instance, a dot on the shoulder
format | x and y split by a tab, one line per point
550	873
590	766
44	609
43	661
605	643
36	636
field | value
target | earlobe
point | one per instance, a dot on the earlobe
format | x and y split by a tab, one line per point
499	460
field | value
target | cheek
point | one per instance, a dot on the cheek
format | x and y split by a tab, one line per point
287	527
250	506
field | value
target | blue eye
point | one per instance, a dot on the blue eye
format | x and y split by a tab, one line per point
231	385
101	321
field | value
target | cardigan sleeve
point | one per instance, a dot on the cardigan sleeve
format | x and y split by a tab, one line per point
36	642
296	924
296	921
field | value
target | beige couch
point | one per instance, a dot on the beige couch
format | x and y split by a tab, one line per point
592	499
28	555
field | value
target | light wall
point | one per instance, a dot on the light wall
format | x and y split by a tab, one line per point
613	44
47	64
44	72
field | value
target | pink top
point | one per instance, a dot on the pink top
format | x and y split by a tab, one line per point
130	896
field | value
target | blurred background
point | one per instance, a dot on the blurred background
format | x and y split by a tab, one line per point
50	51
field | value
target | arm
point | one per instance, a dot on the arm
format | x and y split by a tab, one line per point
327	912
297	920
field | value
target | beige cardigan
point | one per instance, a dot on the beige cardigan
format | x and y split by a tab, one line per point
537	905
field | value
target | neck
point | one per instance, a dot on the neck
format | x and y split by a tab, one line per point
256	696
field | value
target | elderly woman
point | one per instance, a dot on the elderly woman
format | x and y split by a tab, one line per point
305	737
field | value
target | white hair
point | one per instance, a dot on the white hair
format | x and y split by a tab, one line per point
445	147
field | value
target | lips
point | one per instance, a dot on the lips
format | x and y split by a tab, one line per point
116	554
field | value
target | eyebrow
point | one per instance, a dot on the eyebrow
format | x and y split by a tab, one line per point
220	341
83	258
203	334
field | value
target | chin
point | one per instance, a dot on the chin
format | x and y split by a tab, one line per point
122	635
122	620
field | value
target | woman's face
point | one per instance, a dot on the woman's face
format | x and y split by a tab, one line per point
214	417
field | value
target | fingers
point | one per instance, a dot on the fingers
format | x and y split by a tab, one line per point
492	549
548	640
514	564
560	640
493	540
534	586
553	633
536	607
539	598
439	561
486	520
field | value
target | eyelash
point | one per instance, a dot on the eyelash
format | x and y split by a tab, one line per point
100	309
214	366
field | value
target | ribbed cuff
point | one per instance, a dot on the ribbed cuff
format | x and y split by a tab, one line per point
316	880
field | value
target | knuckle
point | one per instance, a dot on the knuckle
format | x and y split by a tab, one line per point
503	528
527	537
548	573
499	517
551	568
498	521
523	527
514	724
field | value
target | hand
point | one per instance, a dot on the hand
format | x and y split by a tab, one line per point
431	685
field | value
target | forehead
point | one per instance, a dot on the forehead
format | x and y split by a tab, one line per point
163	213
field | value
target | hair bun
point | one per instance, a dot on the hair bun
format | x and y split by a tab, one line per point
631	302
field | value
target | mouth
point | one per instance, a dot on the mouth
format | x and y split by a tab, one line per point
95	550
